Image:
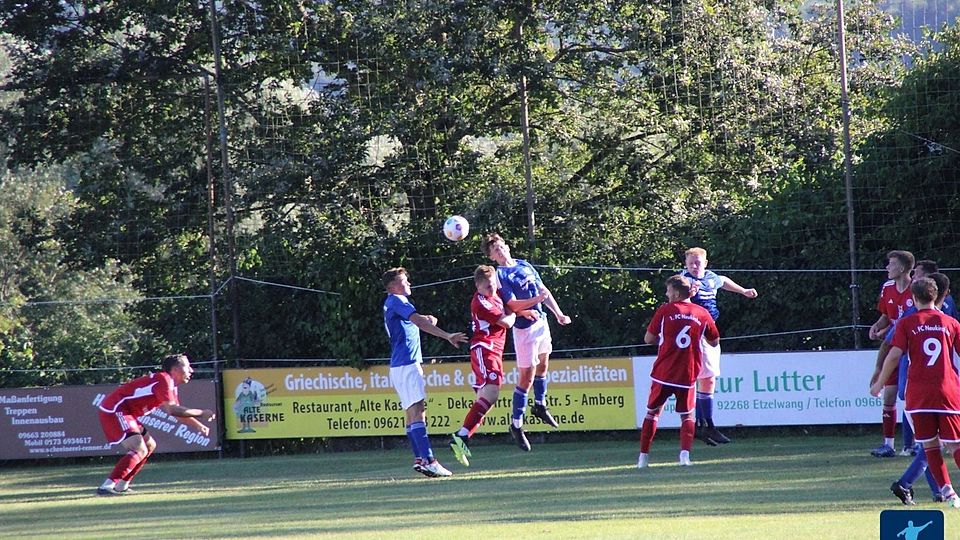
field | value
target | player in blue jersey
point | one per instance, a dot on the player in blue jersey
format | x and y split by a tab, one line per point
403	325
705	285
521	289
903	487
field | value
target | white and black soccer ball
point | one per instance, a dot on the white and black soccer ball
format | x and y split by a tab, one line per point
456	228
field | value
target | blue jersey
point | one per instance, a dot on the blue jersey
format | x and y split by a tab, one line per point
520	281
404	335
710	283
950	307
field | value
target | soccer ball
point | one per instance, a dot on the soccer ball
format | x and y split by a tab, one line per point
456	228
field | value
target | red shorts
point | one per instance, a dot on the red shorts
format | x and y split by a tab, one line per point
487	367
927	425
117	425
660	393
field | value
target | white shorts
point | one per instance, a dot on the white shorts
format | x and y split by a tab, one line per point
711	361
529	343
409	383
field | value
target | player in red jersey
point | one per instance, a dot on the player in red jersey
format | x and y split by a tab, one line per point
679	326
931	340
895	299
490	323
119	412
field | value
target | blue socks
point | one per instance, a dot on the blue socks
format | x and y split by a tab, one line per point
519	406
704	408
417	432
539	389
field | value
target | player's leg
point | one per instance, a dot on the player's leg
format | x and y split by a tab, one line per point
123	485
706	431
889	419
411	388
136	452
123	430
909	443
523	344
658	396
950	438
544	348
926	429
902	488
686	401
488	373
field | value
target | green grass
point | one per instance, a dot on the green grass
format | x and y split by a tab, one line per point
761	486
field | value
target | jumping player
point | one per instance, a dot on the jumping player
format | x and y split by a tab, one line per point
520	288
119	412
930	338
678	326
705	284
403	325
894	300
490	323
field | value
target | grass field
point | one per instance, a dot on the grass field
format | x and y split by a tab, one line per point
760	486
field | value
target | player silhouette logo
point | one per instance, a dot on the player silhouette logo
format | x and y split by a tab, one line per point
911	532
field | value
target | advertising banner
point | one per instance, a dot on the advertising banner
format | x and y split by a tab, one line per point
776	389
594	394
63	422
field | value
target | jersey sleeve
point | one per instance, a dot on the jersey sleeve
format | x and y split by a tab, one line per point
164	391
710	331
506	288
486	311
656	322
401	308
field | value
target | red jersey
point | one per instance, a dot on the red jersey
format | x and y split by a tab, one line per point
930	340
892	302
141	395
681	326
485	311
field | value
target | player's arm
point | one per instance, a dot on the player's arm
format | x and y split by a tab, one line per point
517	305
890	363
554	307
507	320
174	409
650	338
881	356
732	286
428	323
878	328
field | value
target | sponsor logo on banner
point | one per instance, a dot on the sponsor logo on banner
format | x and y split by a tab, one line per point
593	394
773	389
64	422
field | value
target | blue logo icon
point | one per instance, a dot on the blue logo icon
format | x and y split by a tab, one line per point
911	525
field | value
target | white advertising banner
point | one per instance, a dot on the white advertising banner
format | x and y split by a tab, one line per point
786	388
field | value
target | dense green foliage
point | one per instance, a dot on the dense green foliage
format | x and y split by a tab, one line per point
354	127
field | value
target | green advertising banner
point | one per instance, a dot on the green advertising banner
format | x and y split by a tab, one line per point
584	395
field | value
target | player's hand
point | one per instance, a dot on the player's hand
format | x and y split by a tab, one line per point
872	334
564	319
875	389
750	293
456	338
